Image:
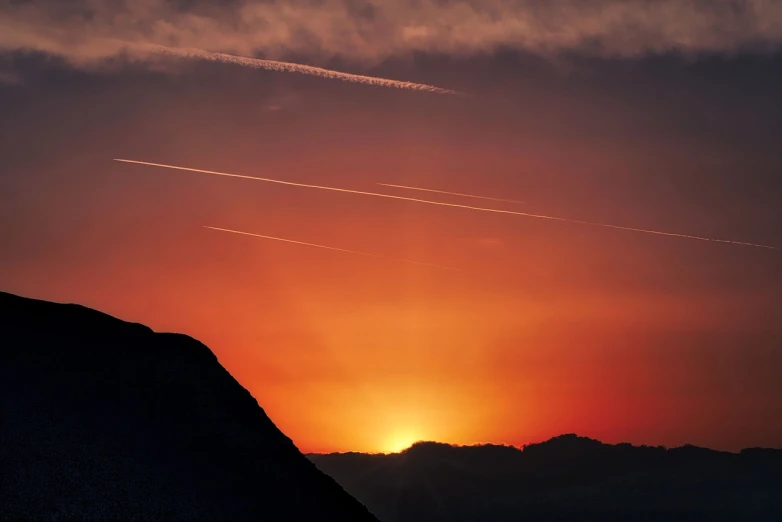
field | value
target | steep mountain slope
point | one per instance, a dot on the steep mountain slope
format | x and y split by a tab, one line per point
103	419
568	478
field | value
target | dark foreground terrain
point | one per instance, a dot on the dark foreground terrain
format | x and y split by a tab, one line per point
106	420
567	478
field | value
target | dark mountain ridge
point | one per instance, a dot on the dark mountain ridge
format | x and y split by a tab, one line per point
101	419
565	478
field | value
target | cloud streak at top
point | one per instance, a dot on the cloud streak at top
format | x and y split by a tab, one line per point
367	31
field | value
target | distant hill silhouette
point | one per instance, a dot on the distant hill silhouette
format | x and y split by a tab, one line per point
106	420
568	478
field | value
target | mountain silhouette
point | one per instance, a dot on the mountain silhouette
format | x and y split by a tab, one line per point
101	419
567	478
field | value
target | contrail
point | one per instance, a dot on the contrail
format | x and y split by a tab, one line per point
451	193
454	205
332	248
272	65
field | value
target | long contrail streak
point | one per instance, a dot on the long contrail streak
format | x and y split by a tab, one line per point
272	65
451	193
453	205
331	248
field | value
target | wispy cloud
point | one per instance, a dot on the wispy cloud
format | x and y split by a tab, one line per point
454	205
272	65
371	30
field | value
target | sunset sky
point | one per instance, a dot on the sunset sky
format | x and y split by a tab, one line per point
663	116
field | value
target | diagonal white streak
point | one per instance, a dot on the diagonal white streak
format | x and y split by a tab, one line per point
454	205
451	193
331	248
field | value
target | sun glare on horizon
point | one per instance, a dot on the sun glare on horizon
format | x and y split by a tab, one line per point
398	442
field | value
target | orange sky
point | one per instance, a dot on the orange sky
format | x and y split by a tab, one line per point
548	327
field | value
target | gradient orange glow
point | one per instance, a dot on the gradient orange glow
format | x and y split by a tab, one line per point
547	327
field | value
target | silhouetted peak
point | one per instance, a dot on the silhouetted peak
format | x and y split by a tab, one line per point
565	446
695	453
96	330
67	319
108	420
427	446
573	439
424	449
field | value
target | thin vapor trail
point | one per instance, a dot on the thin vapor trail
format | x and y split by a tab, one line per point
454	205
451	193
272	65
331	248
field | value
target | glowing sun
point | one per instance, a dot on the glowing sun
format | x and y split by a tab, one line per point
397	442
